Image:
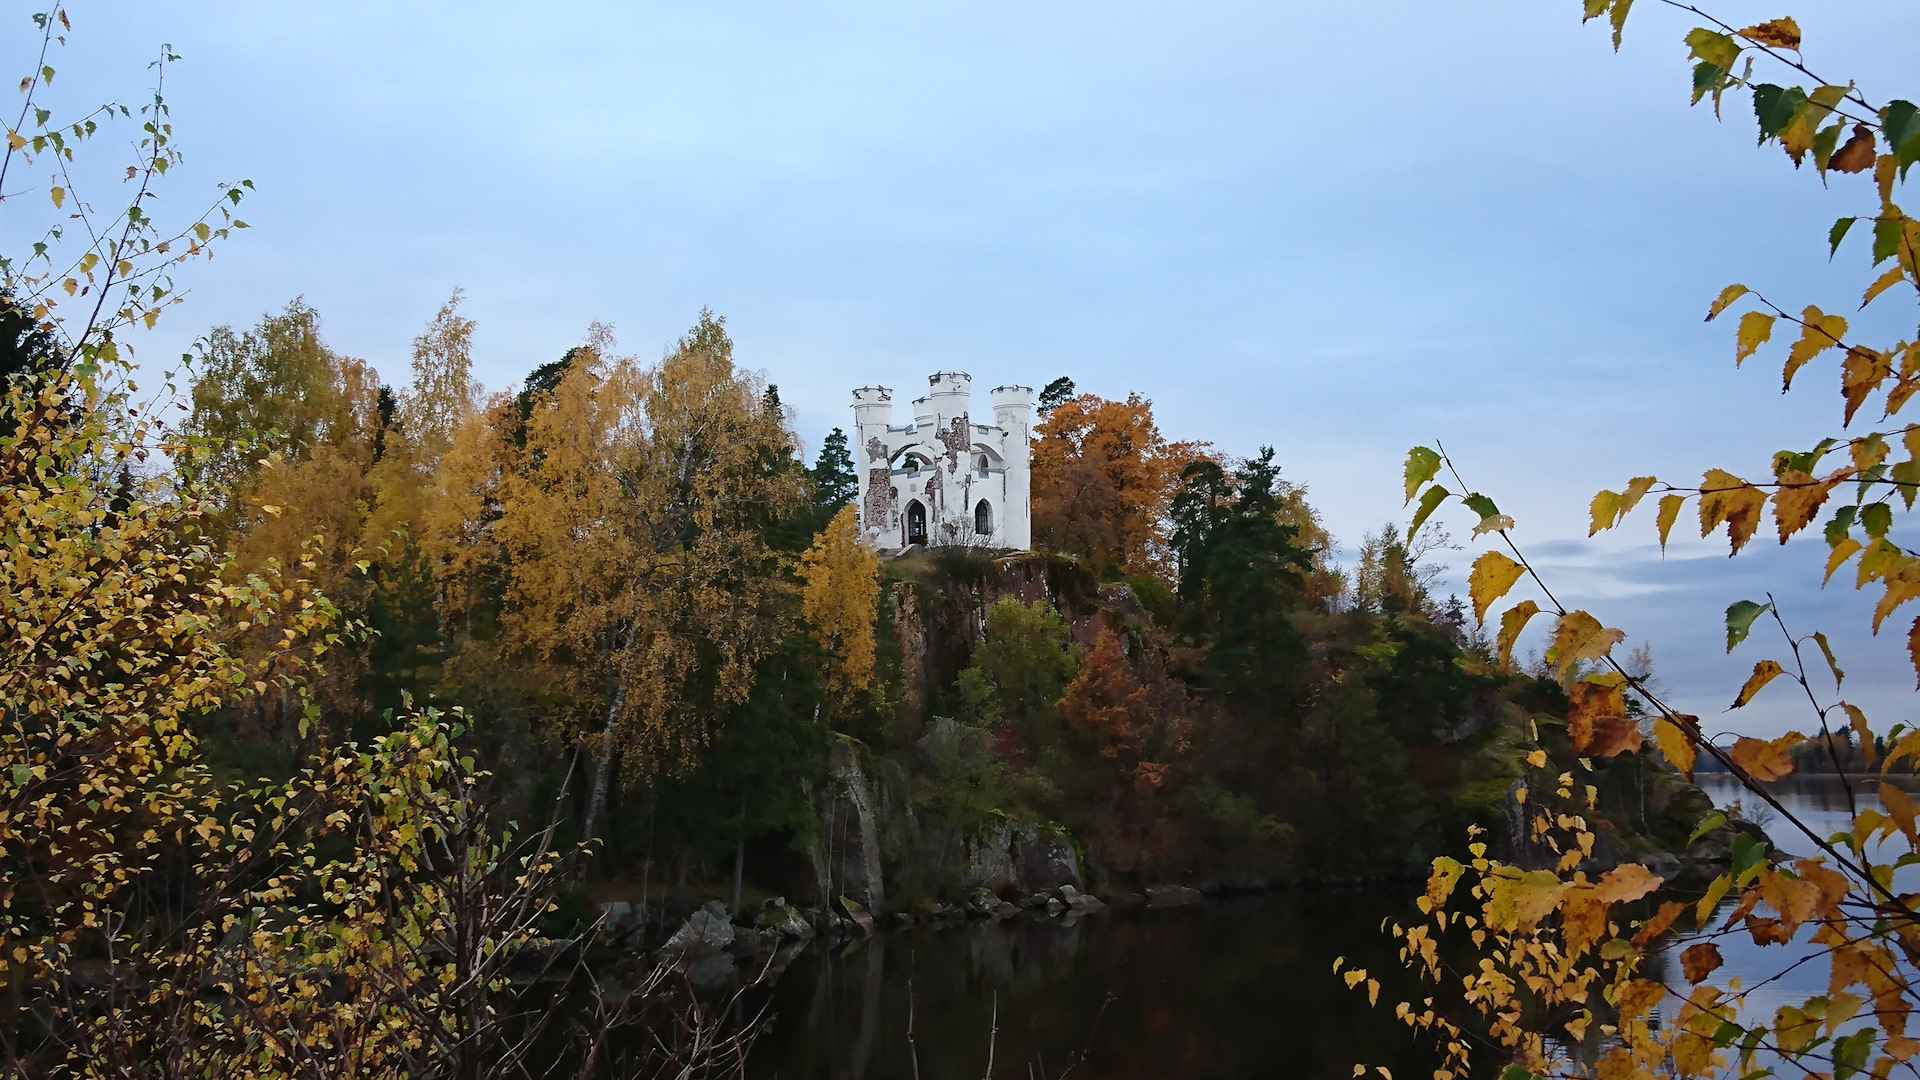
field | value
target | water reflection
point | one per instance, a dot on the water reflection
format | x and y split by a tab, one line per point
1238	989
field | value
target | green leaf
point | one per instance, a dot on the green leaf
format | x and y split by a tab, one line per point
1709	821
1823	146
1428	504
1480	504
1886	239
22	774
1747	853
1708	79
1423	463
1720	50
1900	124
1740	616
1877	519
1837	234
1840	526
1774	107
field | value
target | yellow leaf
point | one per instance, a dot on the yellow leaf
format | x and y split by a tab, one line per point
1861	373
1781	33
1901	587
1726	497
1888	280
1674	743
1862	734
1764	672
14	139
1764	761
1716	892
1798	501
1913	647
1842	551
1578	636
1604	510
1636	489
1669	513
1492	575
59	196
1514	621
1727	296
1755	328
1900	808
1818	333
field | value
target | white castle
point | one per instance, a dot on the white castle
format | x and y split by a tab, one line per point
943	479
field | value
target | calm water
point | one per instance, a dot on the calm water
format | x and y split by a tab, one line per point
1236	989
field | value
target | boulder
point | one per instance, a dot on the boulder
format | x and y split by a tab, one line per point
706	931
1054	906
1005	910
620	921
1046	860
785	920
1172	895
858	915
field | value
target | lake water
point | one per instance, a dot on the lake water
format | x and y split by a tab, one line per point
1241	988
1231	989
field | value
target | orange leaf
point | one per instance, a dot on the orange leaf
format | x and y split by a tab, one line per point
1628	881
1699	961
1861	373
1798	501
1659	924
1587	703
1764	761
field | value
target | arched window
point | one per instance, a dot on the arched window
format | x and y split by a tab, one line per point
916	523
984	465
983	519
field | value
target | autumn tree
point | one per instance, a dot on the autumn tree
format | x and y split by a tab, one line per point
1102	478
635	531
1558	954
840	599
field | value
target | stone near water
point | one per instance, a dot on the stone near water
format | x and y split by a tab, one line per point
785	920
1172	895
706	931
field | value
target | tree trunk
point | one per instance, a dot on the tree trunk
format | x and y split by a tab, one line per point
603	761
603	765
739	853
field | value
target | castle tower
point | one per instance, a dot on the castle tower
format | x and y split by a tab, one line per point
943	479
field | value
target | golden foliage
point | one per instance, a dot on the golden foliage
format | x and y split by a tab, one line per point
840	599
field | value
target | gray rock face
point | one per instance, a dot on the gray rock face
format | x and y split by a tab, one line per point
1172	895
1045	859
990	859
848	805
706	931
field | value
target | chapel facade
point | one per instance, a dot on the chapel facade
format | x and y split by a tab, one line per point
940	478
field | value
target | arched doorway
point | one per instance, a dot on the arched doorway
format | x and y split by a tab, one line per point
983	519
916	523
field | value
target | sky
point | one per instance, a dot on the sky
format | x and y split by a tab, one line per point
1335	229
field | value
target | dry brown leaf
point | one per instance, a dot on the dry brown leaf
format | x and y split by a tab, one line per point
1699	961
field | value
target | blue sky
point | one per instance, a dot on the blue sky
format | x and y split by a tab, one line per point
1335	229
